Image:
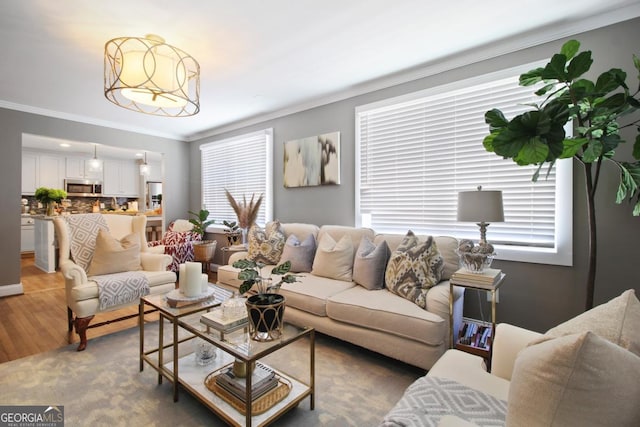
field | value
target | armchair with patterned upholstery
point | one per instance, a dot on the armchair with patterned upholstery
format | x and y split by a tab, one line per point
177	241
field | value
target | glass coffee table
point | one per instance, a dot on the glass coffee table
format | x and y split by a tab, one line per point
172	313
183	370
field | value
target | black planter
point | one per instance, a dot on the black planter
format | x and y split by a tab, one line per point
265	316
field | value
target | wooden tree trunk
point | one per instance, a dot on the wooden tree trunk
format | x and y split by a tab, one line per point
593	242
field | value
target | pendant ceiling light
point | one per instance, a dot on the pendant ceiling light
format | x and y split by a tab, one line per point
145	169
149	76
95	164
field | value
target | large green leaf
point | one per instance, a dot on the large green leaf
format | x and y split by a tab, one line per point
629	184
593	151
495	119
608	81
572	146
282	268
570	48
555	69
487	142
247	275
636	63
533	152
531	77
546	88
507	145
244	263
579	65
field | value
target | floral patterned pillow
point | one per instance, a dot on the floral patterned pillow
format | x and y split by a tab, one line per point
266	245
413	268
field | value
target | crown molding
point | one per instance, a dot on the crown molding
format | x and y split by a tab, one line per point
88	120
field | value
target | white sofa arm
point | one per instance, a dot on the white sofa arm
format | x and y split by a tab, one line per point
154	262
72	272
508	342
236	256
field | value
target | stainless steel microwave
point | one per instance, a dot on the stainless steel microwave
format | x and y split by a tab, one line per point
83	187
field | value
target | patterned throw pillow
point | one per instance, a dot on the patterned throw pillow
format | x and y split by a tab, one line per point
266	245
299	253
413	268
179	237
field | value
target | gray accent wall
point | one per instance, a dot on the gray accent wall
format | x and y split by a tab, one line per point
14	123
534	296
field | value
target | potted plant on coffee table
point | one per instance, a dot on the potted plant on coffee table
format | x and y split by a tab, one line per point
203	250
266	308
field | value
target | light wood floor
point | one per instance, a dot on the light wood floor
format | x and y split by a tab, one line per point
37	320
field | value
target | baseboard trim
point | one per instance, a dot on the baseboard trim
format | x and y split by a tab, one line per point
8	290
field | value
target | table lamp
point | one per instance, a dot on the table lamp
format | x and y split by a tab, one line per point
481	207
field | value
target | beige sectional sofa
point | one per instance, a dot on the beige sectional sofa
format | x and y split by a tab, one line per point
374	319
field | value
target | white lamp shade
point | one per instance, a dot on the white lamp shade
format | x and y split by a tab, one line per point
480	206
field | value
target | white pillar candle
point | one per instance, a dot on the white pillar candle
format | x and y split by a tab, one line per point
182	277
194	279
205	283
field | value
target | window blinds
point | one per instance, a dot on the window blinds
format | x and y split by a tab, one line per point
416	155
241	165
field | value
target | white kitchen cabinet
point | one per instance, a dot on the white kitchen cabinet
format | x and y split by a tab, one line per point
29	172
41	170
78	168
121	178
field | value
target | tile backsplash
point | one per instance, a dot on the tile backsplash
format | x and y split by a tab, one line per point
80	204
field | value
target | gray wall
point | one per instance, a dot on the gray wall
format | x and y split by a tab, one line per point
14	123
535	296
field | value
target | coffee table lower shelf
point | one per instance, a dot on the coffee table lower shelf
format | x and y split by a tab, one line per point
192	378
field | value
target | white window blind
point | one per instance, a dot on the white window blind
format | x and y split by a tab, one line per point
417	152
242	165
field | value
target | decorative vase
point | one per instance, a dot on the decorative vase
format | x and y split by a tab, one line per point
51	208
204	351
265	316
244	235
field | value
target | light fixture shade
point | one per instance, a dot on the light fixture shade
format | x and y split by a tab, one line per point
480	206
95	164
145	169
149	76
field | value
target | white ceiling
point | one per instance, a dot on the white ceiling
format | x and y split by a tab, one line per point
260	58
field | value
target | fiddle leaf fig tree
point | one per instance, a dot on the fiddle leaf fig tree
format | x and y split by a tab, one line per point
598	109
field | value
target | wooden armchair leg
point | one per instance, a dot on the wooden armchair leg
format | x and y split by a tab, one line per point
70	319
82	323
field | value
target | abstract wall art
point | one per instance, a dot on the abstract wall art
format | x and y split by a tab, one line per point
312	161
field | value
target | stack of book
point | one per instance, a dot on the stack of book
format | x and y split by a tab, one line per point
487	279
475	335
217	320
263	380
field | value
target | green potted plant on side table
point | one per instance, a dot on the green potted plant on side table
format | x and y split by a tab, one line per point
205	249
266	308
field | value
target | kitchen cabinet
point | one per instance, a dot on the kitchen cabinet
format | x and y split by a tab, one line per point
41	170
78	168
121	178
27	236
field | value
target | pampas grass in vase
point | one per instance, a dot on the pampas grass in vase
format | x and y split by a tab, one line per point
247	213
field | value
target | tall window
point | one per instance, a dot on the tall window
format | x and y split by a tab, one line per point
242	165
416	152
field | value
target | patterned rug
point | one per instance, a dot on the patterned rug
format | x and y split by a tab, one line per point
102	386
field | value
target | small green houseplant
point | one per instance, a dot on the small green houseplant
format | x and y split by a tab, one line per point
232	231
599	110
204	249
266	308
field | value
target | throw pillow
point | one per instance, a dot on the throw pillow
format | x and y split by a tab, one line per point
413	268
575	380
300	254
114	256
334	260
616	321
266	245
370	264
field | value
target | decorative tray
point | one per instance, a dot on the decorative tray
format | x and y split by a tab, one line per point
259	405
175	298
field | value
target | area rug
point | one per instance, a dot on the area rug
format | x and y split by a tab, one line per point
103	386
